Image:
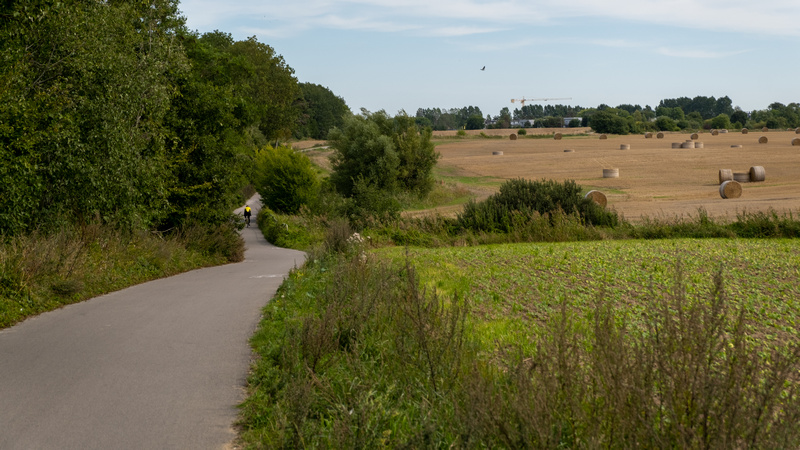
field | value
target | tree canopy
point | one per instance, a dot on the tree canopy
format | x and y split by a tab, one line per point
113	111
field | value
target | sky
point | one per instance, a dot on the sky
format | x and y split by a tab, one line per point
401	55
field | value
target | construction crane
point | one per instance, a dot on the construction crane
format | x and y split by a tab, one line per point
523	99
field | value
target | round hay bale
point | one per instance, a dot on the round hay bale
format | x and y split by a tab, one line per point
568	150
741	177
723	131
699	145
736	146
765	129
797	130
744	131
603	136
715	133
660	135
687	145
597	197
624	146
648	135
763	140
676	145
513	136
796	141
757	174
725	175
695	136
610	173
557	136
497	153
730	189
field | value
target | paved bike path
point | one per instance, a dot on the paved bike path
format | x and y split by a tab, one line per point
161	365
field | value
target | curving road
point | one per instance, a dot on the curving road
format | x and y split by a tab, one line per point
161	365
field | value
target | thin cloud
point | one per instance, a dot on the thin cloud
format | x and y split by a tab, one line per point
770	17
697	54
460	31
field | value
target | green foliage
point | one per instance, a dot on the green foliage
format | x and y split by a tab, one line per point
609	123
285	178
320	111
519	198
81	112
522	132
215	240
112	111
665	123
352	349
361	150
234	90
303	231
474	122
722	121
415	338
376	156
451	119
44	271
370	201
707	107
739	117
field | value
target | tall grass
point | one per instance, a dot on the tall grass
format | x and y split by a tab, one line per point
356	354
44	271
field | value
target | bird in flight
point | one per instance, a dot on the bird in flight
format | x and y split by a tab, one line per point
483	68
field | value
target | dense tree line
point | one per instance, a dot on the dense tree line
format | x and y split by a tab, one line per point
114	111
689	114
469	117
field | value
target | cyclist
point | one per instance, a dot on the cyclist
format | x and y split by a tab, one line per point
247	214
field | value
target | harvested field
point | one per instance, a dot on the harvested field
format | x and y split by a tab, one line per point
658	181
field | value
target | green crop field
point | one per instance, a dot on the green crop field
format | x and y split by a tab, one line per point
514	288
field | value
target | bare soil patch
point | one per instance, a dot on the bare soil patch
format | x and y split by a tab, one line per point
655	180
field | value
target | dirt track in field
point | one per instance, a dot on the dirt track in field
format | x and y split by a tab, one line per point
655	180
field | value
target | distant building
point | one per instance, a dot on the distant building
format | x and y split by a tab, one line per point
522	123
568	120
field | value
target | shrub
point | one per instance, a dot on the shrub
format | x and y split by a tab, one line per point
461	133
285	178
544	197
522	132
606	122
370	201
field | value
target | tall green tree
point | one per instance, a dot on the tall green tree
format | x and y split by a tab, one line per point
320	110
376	156
609	121
85	88
361	150
270	88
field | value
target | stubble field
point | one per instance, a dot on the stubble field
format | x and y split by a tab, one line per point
655	180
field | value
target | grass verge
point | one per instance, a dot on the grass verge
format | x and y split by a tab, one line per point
42	272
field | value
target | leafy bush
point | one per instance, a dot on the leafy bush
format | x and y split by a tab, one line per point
301	232
522	132
606	122
369	201
544	197
285	179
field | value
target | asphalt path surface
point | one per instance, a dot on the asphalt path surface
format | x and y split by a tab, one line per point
160	365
